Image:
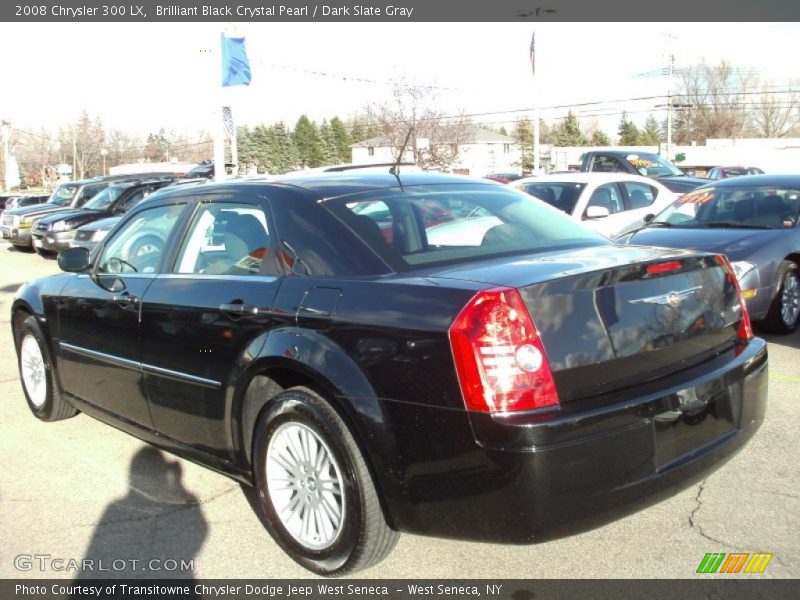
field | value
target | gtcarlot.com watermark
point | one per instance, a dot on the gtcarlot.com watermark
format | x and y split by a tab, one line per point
47	563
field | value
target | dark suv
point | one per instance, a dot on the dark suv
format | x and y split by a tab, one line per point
501	375
53	233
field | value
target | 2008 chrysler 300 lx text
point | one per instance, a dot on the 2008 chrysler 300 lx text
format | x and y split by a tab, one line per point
378	353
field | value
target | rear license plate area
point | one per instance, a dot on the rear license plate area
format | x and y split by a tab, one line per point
695	417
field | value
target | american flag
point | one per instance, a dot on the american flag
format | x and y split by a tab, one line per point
533	61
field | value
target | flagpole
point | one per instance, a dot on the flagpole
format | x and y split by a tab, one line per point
218	130
536	108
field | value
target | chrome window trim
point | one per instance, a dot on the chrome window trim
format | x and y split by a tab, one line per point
138	366
215	277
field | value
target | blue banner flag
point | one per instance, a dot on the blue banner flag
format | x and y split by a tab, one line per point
235	65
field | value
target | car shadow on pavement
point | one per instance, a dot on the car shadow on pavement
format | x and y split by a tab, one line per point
155	531
791	340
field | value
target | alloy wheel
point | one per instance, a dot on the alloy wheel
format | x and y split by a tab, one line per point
305	486
32	366
790	299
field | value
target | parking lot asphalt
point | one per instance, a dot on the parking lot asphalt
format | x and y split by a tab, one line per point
79	489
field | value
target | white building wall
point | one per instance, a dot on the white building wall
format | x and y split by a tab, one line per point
473	159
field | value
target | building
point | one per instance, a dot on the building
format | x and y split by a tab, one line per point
478	151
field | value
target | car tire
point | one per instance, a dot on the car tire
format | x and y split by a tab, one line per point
36	374
22	248
45	253
308	467
784	312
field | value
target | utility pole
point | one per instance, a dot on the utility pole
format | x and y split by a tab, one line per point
6	128
74	155
669	105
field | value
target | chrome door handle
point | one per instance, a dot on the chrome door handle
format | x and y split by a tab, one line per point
239	309
125	299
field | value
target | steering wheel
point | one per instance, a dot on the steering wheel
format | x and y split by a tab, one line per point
119	265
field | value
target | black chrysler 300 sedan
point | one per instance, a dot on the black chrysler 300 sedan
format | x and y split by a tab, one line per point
419	353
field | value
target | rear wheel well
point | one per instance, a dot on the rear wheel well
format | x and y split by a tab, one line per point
267	384
795	258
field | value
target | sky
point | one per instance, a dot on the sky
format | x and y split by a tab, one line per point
141	77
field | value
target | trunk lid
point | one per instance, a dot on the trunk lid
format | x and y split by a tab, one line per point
610	319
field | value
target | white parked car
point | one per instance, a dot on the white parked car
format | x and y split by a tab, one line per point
608	203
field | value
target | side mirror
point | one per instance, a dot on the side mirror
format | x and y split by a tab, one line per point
74	260
648	217
597	212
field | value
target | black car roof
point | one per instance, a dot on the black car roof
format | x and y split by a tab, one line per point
329	185
744	180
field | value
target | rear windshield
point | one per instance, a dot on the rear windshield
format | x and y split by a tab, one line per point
418	227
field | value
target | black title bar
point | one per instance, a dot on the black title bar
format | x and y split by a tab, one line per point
397	11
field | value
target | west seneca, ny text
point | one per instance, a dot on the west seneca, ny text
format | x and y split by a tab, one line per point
258	590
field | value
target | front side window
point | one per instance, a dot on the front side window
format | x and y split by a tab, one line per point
457	223
227	239
138	245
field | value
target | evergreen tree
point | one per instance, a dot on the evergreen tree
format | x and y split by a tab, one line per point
328	150
651	134
523	134
341	140
599	138
568	132
306	139
629	134
503	131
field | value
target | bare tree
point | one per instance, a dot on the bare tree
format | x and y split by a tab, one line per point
123	148
36	153
776	114
81	143
434	140
716	96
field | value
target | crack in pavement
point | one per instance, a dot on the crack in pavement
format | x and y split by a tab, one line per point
696	527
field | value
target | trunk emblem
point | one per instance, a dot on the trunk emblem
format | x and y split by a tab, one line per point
671	299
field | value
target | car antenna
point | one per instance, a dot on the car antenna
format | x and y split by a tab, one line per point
395	168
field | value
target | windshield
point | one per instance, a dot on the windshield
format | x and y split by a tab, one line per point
422	226
63	194
758	207
653	165
562	196
103	200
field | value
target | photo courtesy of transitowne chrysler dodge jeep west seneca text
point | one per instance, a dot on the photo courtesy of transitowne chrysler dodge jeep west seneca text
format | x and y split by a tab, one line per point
377	353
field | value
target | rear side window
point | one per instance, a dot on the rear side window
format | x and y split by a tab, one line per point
607	196
562	196
640	195
451	224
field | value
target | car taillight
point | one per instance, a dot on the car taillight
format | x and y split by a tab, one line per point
499	357
745	331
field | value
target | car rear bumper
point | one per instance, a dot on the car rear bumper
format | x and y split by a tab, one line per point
539	478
